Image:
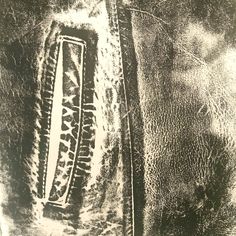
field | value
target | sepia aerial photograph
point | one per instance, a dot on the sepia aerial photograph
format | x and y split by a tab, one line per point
117	117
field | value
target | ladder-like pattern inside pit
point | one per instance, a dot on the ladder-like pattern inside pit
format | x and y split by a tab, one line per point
67	120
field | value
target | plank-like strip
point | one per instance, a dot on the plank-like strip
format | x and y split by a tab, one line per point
64	118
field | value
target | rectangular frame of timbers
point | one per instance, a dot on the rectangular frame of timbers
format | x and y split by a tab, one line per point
65	98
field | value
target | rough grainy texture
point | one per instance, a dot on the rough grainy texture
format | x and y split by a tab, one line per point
186	77
173	64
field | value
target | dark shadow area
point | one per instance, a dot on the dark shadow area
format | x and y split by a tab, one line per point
134	120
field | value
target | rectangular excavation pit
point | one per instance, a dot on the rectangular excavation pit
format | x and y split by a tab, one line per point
62	113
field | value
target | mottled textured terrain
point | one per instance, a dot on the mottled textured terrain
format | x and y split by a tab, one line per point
186	58
179	61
